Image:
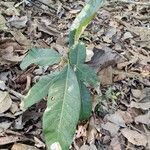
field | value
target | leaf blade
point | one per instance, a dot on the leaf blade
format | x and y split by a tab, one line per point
83	19
62	114
86	102
42	57
39	90
77	54
87	75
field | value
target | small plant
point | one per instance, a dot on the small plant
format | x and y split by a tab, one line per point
69	99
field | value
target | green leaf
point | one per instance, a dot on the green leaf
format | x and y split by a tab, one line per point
39	90
87	75
86	102
41	57
77	54
63	109
83	19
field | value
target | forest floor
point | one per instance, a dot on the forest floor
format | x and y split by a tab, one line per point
118	48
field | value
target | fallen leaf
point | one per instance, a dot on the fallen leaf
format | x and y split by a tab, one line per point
106	76
5	125
2	85
126	116
115	144
127	35
19	146
10	139
8	55
145	119
5	101
104	57
134	137
17	22
20	38
111	127
116	118
144	106
85	147
2	23
136	93
88	147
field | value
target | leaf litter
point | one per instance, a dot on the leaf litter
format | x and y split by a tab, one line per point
118	49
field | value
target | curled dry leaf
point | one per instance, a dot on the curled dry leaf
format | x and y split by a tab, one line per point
134	137
5	101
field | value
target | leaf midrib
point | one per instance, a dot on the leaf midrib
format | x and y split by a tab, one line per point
61	116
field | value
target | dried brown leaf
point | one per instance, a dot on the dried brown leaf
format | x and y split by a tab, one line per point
5	101
145	119
134	137
111	127
144	106
19	146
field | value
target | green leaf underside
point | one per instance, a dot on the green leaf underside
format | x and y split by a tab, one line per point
39	90
63	109
83	19
87	75
41	57
86	102
77	54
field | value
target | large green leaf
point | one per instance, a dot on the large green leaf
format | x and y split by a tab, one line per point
42	57
83	19
77	54
63	109
87	75
86	102
39	90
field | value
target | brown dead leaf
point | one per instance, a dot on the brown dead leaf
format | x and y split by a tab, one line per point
145	119
5	101
104	57
126	116
91	133
111	127
115	144
2	23
127	35
19	146
144	106
5	125
8	54
20	38
134	137
43	27
106	76
116	118
88	147
10	139
17	22
136	93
